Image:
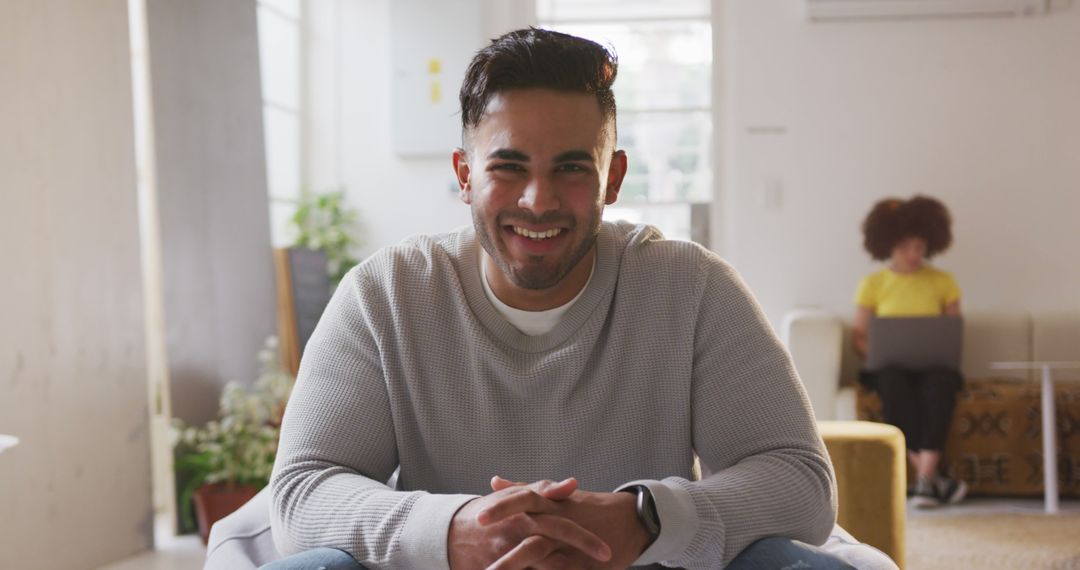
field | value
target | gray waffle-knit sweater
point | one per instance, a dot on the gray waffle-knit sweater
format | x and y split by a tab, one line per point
664	355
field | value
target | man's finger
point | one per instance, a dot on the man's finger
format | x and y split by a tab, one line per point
533	498
498	484
530	551
519	500
548	489
558	560
558	491
571	534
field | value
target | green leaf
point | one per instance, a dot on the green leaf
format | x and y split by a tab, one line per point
240	446
323	222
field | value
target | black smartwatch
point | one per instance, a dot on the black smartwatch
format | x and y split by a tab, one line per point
646	510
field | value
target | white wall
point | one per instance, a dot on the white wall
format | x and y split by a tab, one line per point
983	113
76	492
980	112
217	265
350	97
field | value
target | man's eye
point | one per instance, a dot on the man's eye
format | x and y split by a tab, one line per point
508	167
571	168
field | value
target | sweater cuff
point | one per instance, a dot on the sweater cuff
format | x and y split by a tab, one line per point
424	536
678	522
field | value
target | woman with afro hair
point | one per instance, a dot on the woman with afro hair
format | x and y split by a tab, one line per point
905	234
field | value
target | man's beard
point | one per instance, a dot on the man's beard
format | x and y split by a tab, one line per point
536	275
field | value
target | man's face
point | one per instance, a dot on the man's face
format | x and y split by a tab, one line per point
537	172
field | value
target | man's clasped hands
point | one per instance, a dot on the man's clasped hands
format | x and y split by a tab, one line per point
546	525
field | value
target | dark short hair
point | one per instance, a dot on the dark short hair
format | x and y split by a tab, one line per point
534	57
893	220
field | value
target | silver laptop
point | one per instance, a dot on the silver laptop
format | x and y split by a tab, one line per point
915	343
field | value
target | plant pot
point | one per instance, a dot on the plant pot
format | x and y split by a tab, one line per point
215	501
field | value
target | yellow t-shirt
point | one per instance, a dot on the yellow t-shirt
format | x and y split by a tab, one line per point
923	293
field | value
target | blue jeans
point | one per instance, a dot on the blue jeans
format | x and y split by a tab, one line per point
316	559
766	554
775	553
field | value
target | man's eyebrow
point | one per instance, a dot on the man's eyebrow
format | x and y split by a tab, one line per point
574	156
508	154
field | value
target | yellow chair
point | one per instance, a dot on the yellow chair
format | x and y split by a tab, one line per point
871	476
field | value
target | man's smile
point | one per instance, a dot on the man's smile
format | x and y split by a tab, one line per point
525	232
534	241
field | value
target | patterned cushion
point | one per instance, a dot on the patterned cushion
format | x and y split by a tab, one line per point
995	440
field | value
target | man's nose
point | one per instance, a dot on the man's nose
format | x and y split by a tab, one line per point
539	196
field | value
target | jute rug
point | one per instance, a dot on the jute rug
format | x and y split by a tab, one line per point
1005	541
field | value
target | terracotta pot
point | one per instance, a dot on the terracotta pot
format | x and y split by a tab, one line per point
215	501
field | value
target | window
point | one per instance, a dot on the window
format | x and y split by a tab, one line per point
280	38
664	93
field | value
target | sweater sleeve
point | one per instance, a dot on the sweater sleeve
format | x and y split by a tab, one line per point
766	469
338	447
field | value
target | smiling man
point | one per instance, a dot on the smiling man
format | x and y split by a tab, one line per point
542	345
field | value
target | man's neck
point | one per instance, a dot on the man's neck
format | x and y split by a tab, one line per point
538	299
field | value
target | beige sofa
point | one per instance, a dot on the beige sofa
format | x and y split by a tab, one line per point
995	437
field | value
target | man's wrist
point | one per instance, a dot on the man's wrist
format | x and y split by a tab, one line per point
678	512
645	512
425	534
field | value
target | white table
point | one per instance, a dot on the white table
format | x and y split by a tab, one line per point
1049	421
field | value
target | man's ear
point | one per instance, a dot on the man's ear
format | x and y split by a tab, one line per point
615	176
461	170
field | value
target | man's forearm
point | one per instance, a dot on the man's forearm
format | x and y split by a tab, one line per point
707	523
323	505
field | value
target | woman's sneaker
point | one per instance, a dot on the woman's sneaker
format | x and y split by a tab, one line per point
925	495
951	491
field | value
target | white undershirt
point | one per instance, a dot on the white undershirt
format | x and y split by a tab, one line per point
532	323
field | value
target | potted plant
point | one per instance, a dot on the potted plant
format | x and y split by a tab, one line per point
224	463
323	221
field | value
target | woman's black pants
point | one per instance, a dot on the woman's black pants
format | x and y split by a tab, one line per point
919	402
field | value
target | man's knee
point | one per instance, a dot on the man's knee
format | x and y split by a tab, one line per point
777	553
316	559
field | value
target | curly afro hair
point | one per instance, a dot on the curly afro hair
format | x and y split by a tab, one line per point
892	220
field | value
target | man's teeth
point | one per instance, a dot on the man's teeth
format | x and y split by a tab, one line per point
537	235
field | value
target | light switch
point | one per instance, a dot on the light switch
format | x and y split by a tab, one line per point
772	194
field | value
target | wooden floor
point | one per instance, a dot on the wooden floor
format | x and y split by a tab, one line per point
178	553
